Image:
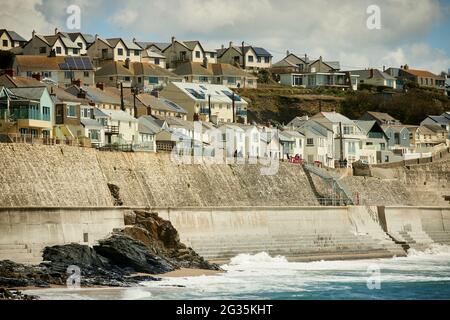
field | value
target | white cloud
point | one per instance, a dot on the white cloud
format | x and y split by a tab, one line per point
334	29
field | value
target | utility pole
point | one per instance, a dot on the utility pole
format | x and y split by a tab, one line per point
234	109
134	102
243	55
342	144
122	103
209	107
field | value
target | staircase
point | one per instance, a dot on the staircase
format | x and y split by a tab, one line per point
341	194
306	247
19	253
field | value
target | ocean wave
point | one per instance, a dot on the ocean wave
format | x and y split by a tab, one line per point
262	257
434	250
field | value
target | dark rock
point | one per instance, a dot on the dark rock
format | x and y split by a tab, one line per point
73	254
6	294
127	252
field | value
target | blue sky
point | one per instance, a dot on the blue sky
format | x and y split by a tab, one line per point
415	32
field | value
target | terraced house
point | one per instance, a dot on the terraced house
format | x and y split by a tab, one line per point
303	72
185	51
115	49
61	70
423	78
216	73
248	57
207	102
26	113
53	45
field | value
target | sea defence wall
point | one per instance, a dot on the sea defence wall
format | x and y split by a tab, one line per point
419	227
25	232
219	234
298	233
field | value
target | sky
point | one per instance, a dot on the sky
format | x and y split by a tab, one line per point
413	32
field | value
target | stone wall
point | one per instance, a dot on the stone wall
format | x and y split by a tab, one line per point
55	176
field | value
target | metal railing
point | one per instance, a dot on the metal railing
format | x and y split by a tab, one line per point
33	139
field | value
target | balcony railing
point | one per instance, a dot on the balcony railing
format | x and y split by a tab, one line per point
112	130
25	114
241	113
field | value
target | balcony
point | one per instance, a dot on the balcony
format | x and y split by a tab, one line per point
204	111
241	113
111	130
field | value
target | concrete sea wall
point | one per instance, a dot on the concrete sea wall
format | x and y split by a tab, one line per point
25	232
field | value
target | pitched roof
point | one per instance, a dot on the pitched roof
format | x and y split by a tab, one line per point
193	68
334	117
64	96
87	37
382	116
152	54
365	125
13	35
159	103
16	81
39	63
440	119
377	74
128	44
152	70
431	128
113	68
227	69
421	73
118	115
33	93
66	41
261	52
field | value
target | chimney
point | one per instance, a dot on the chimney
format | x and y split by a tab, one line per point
36	76
56	31
96	37
101	86
127	63
173	39
406	67
33	33
223	47
231	44
155	93
287	53
134	40
384	68
10	72
371	73
306	57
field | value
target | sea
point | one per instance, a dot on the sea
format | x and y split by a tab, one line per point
420	275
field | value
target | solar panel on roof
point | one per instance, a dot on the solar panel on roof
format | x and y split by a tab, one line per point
87	63
70	61
64	66
79	63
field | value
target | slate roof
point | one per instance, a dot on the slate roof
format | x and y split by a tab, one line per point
377	74
114	68
16	81
159	103
34	93
13	35
128	44
335	117
118	115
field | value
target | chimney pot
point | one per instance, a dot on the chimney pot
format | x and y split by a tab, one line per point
287	52
223	47
173	39
231	44
56	31
33	33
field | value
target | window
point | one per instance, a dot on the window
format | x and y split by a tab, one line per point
383	146
212	54
46	74
72	111
157	61
43	50
139	79
67	52
310	142
80	45
250	82
267	60
120	52
136	53
153	80
204	79
351	147
58	50
5	43
250	58
127	79
348	130
46	113
231	80
68	75
75	51
86	113
259	59
86	74
197	54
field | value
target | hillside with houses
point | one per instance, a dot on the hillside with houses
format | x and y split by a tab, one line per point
233	102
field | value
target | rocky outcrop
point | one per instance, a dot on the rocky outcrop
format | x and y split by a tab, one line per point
6	294
148	245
